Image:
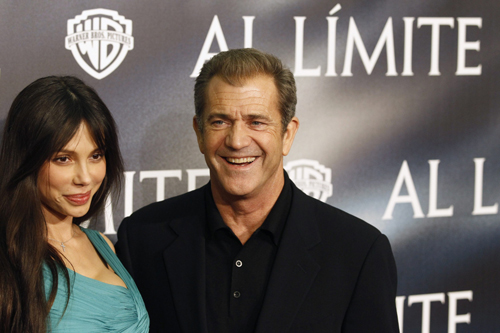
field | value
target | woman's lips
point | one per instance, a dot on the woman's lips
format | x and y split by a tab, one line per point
79	199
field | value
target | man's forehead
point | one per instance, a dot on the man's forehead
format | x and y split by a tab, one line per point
249	98
256	91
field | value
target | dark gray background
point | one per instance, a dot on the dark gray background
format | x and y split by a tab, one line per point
362	127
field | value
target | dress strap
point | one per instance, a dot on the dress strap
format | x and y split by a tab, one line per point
108	254
104	250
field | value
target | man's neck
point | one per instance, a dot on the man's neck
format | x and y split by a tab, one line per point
246	214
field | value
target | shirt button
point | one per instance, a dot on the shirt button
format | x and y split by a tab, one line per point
236	294
239	263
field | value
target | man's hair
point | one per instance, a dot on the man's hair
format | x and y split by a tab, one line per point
234	66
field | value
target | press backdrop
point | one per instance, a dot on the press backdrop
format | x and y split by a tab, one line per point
398	104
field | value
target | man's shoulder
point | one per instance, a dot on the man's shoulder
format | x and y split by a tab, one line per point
334	230
333	220
171	208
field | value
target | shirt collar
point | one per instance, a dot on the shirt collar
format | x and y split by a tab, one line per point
274	222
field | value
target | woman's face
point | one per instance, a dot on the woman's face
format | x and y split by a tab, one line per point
70	179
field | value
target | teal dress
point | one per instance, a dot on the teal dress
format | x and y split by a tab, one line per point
95	306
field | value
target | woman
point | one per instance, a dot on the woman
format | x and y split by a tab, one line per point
59	161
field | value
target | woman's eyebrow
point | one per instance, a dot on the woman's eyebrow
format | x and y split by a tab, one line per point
69	151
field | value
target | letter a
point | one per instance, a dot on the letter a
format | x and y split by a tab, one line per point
404	177
215	31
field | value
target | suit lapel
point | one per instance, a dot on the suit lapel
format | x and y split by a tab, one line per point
185	262
294	268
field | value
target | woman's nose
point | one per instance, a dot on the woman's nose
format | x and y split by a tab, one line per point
82	175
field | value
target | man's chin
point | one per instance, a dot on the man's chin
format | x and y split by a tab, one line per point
239	189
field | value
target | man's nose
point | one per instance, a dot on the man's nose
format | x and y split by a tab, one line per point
238	136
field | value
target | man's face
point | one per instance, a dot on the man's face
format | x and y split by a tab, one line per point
242	138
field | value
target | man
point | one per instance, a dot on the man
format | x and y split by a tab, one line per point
249	252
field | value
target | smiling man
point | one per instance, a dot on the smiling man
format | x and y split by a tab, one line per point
250	252
243	140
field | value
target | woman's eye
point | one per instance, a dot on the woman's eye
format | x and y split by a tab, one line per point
62	159
97	156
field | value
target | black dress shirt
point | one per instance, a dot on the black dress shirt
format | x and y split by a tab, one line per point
237	275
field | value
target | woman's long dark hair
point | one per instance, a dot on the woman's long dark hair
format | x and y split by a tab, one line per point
42	120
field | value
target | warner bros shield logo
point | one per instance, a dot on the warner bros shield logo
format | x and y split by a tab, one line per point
99	40
311	177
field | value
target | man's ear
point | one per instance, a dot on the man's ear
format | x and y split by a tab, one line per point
291	130
199	135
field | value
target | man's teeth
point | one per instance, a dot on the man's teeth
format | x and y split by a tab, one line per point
240	160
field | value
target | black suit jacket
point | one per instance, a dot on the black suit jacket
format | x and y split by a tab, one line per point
332	272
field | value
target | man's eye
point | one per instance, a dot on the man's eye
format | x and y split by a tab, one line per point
256	123
218	122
